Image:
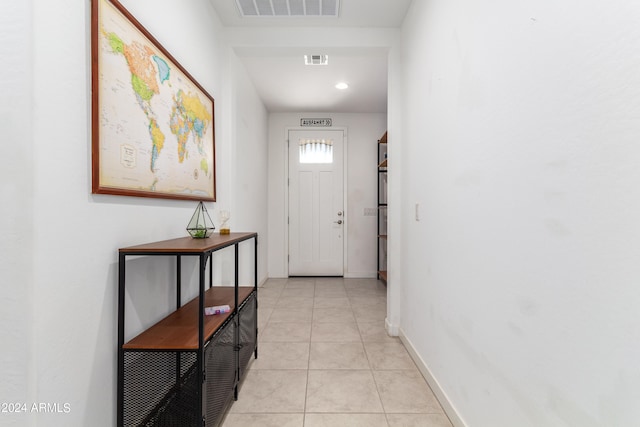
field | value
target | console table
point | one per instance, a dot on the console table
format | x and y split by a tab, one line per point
185	369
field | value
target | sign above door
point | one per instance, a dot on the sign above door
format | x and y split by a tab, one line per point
316	122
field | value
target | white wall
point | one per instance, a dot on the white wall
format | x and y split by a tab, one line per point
58	242
520	283
16	209
363	132
250	154
395	188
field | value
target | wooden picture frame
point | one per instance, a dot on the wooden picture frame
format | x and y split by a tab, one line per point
153	127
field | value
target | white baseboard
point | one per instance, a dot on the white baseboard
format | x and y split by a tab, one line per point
446	404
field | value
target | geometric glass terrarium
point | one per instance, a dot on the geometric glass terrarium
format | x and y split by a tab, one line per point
200	225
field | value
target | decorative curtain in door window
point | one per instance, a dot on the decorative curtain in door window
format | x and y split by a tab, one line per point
316	151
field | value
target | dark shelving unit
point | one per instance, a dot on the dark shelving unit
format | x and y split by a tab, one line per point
382	208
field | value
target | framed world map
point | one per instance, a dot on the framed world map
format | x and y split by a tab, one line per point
153	131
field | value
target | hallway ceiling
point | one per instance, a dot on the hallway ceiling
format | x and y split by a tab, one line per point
285	84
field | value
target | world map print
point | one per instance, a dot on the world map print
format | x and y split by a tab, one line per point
156	127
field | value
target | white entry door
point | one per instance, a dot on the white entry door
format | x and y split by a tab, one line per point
316	203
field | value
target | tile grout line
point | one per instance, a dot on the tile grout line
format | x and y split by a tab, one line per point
306	389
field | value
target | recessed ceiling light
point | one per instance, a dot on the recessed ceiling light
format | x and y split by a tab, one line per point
342	86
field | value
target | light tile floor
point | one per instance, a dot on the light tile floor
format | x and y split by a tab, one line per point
325	359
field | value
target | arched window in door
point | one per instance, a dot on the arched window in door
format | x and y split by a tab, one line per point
316	151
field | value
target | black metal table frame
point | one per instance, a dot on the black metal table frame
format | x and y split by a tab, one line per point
204	257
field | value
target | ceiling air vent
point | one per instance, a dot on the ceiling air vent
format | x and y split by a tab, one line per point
295	8
316	59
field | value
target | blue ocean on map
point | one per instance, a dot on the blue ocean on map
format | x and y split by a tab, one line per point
163	68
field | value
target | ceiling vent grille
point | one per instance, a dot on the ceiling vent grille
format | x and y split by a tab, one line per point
295	8
316	59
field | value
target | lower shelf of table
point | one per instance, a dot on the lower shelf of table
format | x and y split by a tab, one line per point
163	387
179	330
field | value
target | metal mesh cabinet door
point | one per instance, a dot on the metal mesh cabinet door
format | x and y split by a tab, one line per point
160	389
220	364
248	324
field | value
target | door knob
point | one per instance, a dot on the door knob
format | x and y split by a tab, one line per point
338	221
340	213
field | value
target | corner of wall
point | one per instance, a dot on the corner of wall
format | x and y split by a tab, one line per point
391	328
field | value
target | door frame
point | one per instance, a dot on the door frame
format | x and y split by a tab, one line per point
345	210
